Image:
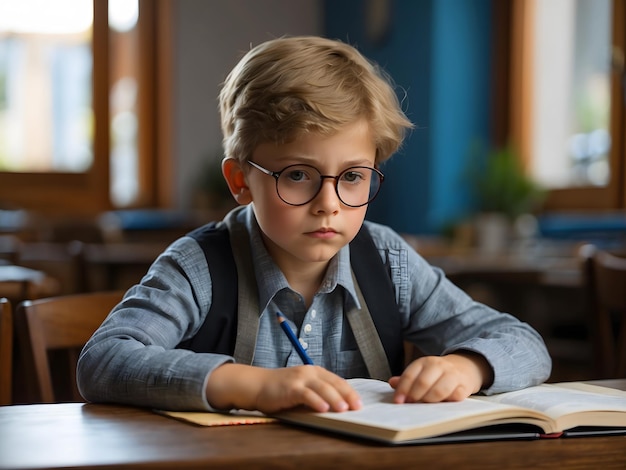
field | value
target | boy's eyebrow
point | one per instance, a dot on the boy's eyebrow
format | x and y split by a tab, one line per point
313	161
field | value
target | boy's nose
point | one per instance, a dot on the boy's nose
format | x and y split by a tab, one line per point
327	199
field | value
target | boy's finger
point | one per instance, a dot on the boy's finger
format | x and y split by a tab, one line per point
404	383
440	390
339	395
315	401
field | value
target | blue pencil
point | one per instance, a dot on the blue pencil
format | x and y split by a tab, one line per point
292	338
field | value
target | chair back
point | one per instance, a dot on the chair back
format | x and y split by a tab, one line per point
6	351
59	324
606	279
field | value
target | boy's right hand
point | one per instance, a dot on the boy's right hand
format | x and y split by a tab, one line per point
270	390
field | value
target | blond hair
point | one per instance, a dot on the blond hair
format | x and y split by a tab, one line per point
292	85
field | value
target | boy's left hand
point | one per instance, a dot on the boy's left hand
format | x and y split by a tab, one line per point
432	379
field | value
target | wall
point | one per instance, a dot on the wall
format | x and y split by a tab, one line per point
210	38
437	51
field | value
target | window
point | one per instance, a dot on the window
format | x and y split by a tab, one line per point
566	98
571	79
45	86
79	89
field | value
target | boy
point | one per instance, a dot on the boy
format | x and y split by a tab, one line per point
306	121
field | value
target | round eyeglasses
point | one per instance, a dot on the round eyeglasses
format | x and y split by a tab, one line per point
297	185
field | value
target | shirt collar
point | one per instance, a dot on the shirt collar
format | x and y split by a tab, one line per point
270	280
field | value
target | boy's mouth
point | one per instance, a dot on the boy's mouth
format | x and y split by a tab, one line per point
324	232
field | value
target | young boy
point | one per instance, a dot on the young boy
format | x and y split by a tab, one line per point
306	121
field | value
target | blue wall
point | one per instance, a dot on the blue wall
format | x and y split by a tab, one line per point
438	53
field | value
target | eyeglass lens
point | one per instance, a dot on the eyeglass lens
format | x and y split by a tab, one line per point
356	186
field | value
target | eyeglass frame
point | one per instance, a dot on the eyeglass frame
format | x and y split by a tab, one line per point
276	176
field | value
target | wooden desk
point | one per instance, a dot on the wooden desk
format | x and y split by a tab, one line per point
564	271
111	266
546	262
106	436
19	283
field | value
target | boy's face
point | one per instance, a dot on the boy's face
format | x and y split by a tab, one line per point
313	232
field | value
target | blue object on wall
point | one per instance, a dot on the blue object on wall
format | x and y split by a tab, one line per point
438	53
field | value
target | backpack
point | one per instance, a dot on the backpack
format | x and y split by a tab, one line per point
219	330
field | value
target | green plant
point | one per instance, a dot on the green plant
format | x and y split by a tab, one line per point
501	185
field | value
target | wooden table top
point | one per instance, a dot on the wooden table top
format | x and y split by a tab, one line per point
19	283
78	435
546	262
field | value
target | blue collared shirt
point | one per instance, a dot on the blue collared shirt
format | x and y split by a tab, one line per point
132	358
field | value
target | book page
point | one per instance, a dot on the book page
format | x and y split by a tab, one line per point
556	401
379	408
587	387
381	418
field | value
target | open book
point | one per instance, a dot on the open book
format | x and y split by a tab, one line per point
544	410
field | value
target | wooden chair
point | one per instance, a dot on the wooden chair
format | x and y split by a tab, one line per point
59	324
605	274
6	351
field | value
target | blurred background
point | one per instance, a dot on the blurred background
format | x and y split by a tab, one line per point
110	141
112	104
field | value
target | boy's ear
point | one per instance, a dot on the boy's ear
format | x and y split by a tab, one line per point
235	178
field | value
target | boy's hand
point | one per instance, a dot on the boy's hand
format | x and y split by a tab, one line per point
271	390
434	379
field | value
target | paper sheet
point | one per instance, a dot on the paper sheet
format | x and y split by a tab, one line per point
218	419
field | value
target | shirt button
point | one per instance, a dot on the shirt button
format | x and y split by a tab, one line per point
304	344
307	328
313	313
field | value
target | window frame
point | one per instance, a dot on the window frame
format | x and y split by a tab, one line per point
512	111
88	192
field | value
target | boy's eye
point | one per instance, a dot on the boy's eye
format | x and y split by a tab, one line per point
298	175
352	176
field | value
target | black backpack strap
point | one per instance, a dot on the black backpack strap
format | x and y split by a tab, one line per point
219	330
374	281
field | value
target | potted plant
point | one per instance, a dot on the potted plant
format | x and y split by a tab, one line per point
503	192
